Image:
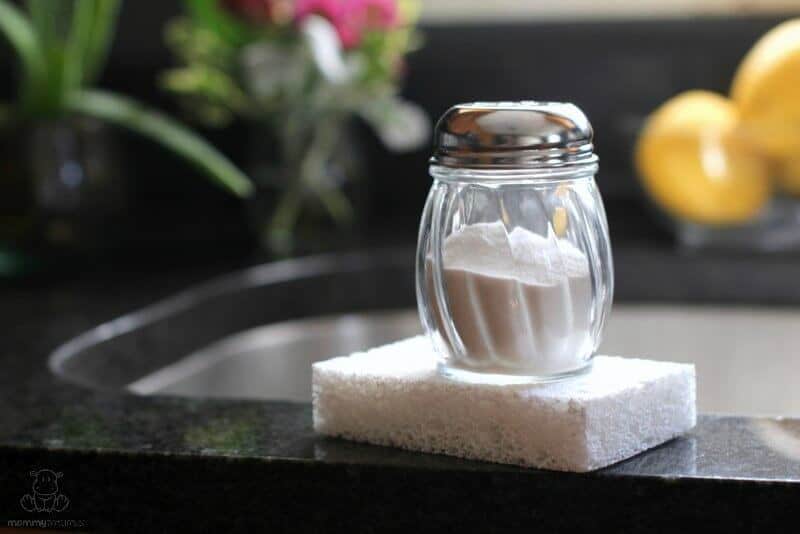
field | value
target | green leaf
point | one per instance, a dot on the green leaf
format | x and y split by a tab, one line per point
212	95
21	34
89	41
76	44
129	114
102	38
208	14
51	22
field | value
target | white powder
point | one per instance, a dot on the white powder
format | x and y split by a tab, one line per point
521	303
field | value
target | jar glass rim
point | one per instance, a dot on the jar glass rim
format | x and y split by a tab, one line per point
513	175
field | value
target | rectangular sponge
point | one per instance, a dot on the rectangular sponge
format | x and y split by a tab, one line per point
393	395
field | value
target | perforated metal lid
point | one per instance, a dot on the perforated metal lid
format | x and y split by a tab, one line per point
513	135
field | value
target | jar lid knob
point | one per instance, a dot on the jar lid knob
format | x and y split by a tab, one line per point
513	135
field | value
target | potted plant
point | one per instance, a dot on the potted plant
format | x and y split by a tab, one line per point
61	185
300	72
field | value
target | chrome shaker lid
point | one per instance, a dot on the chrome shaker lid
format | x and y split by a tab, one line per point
513	135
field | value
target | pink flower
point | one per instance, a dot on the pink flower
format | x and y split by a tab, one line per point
351	18
259	11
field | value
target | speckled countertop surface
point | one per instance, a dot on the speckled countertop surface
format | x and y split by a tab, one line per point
133	463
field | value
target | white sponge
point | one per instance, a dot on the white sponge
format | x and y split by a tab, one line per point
393	395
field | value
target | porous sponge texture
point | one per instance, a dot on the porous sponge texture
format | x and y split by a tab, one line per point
393	395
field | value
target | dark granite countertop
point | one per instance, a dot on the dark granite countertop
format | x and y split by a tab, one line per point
134	463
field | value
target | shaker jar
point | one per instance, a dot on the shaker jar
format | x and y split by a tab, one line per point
514	269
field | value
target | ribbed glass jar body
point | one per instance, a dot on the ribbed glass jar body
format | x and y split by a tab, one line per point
514	272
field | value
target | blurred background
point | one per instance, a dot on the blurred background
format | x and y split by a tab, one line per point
147	147
258	169
618	61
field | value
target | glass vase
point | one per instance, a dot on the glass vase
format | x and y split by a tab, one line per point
310	196
776	229
62	194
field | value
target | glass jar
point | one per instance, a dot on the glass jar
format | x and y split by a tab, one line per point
514	269
63	196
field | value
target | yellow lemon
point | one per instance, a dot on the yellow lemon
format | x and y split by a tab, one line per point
694	163
766	89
